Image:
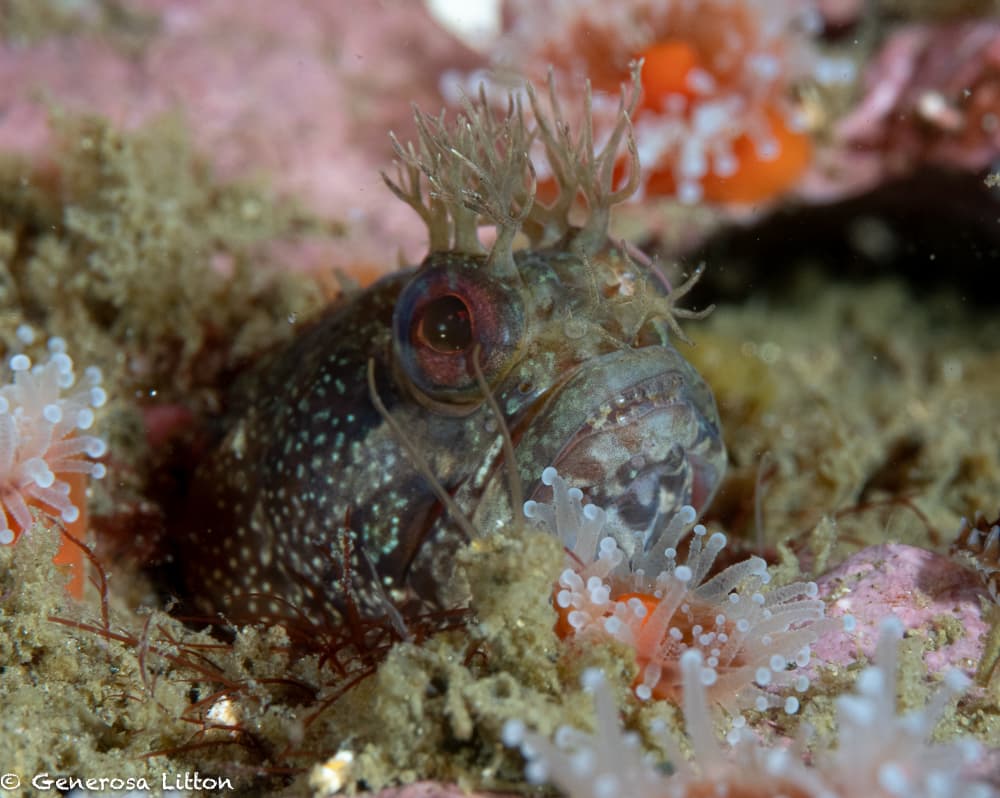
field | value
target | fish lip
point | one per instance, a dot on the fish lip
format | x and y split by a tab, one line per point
624	391
626	409
635	401
578	401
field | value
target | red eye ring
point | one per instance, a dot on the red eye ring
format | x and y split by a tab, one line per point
449	308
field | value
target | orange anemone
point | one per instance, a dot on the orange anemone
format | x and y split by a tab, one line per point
673	71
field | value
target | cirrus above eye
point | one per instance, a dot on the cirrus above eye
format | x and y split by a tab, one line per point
451	307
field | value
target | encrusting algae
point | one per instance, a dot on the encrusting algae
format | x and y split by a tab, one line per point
143	256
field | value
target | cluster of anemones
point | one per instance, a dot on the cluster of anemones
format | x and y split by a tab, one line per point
878	753
718	119
750	639
45	453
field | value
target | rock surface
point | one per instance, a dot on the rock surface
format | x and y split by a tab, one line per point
931	594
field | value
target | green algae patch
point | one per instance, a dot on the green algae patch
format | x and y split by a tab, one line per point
737	370
126	244
73	702
437	709
142	697
877	419
29	21
154	697
511	577
972	714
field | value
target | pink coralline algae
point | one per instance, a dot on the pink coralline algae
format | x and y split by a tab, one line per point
931	97
298	94
43	413
718	121
878	752
921	588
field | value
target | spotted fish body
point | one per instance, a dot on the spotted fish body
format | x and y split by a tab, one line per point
571	336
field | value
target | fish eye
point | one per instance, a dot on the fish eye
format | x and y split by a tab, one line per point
446	324
450	309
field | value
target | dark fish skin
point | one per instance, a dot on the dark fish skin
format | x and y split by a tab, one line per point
306	447
572	337
306	450
267	505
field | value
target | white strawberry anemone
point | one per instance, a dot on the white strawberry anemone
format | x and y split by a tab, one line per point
750	638
876	753
44	416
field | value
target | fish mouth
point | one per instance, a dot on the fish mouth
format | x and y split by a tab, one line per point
639	437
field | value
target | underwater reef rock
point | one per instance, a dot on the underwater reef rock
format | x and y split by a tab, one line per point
298	93
933	595
929	97
430	789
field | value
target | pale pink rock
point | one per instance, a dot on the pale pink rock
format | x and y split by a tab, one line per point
931	97
917	586
301	93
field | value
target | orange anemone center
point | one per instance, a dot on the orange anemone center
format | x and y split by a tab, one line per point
667	70
671	70
652	644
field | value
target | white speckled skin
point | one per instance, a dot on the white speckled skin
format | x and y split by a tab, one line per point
572	339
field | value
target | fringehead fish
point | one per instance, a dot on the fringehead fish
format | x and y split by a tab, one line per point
422	411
